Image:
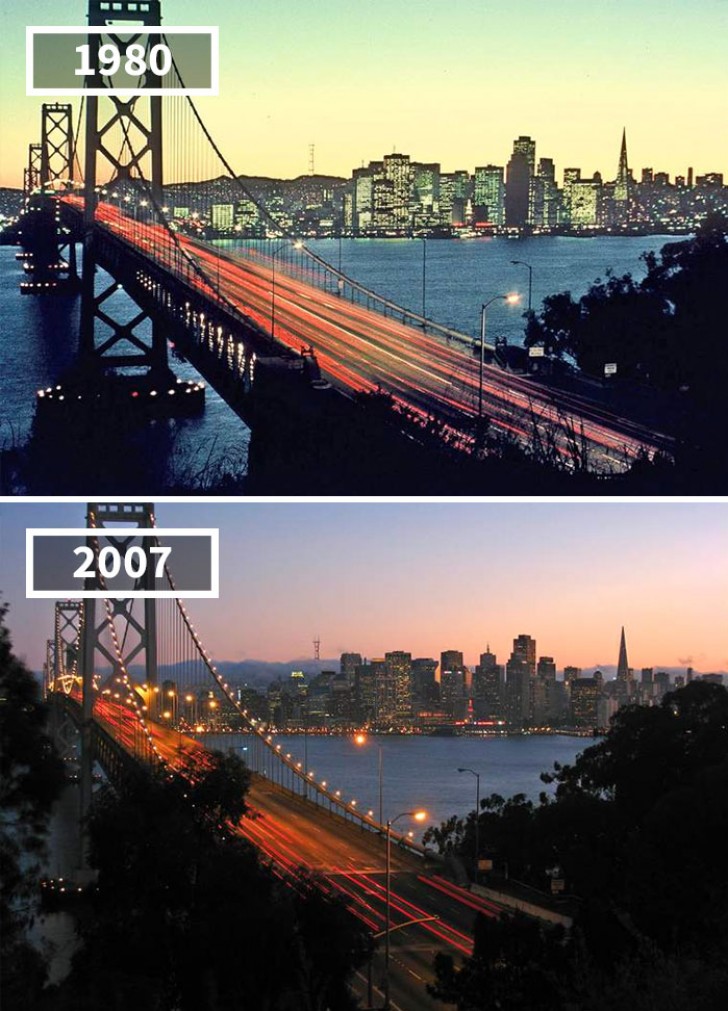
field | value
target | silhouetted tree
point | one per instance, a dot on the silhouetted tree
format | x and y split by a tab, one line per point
634	826
31	777
517	963
184	917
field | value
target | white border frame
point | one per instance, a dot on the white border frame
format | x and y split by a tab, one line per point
212	30
212	532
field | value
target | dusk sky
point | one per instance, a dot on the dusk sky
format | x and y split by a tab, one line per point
424	577
453	82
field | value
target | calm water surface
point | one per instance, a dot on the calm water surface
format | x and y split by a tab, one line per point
418	772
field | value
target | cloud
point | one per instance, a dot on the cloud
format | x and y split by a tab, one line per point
686	661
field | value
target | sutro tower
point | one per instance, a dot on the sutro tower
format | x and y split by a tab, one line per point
317	647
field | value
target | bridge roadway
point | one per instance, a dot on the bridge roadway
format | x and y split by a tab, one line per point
294	833
361	350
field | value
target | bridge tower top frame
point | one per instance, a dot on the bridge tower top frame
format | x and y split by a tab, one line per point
33	170
57	143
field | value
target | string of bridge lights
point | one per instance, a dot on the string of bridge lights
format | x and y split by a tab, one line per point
125	679
333	796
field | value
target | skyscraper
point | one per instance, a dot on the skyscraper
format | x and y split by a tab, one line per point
585	693
398	172
489	193
517	191
624	674
399	671
424	686
488	688
348	665
452	682
520	672
622	187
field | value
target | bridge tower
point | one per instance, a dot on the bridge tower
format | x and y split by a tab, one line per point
61	676
115	634
57	154
136	167
66	644
50	266
31	173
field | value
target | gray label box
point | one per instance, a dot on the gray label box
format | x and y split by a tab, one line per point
52	61
64	563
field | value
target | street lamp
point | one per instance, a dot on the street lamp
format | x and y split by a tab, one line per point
511	299
418	816
361	739
522	263
424	276
477	817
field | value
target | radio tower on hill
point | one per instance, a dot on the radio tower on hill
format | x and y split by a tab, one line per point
317	647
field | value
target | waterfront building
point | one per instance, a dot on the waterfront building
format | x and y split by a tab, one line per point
545	200
586	202
425	194
425	689
489	688
585	694
341	701
365	694
489	195
361	201
318	706
518	190
453	677
544	707
520	674
399	671
398	173
385	706
454	196
348	665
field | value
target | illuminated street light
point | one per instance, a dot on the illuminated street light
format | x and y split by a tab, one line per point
522	263
418	816
477	818
361	739
424	278
510	299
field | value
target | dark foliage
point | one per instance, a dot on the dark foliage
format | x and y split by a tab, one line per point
184	917
31	777
669	328
635	827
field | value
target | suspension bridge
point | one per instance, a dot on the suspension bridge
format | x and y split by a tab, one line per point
131	680
267	312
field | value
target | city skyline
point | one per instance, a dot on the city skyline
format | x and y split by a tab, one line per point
426	577
573	75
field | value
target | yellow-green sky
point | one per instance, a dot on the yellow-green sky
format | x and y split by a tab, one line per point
452	81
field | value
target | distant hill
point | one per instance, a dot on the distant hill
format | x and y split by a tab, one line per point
256	673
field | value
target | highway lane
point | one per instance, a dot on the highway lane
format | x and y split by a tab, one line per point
361	350
294	833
